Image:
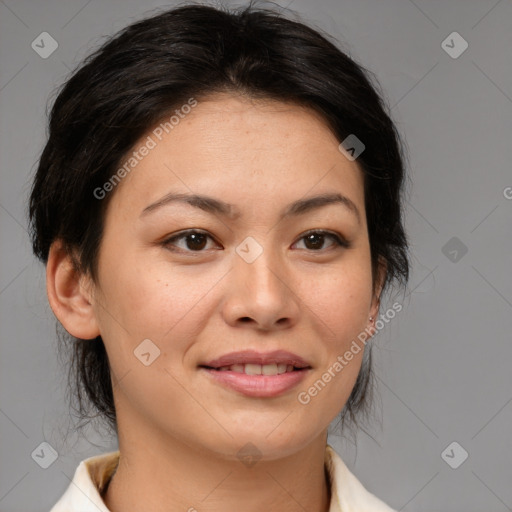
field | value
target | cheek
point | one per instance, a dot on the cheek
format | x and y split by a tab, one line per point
157	302
341	300
339	303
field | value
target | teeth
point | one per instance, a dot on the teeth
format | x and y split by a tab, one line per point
258	369
281	368
269	369
253	369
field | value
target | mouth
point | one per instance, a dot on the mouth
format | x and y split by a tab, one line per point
257	375
252	362
258	369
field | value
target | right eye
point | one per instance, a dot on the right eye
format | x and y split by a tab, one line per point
194	241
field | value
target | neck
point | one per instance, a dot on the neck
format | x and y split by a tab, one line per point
170	476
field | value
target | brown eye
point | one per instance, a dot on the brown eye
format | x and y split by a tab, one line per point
314	240
194	241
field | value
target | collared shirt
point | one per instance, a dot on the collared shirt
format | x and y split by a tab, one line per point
93	475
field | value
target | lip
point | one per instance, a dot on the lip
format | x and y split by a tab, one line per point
254	357
258	386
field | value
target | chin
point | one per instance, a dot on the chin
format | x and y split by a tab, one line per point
263	443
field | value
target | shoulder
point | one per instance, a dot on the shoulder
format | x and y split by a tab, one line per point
347	493
91	477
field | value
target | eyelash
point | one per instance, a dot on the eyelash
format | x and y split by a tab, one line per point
338	239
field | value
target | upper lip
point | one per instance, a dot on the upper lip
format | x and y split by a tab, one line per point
262	358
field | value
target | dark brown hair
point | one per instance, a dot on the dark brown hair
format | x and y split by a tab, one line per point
153	66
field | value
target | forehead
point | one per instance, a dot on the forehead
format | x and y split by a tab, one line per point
252	153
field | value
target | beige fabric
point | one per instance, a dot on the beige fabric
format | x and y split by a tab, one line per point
93	474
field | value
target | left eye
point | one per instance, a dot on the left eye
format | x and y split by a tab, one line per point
316	239
195	241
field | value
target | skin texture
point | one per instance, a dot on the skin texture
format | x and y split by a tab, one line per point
179	432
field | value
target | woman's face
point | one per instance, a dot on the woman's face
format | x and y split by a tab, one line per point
248	278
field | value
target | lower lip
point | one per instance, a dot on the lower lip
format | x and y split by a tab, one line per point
260	386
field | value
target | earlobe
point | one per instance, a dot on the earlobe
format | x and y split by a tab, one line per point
69	299
374	310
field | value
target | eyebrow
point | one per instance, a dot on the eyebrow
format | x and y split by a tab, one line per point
218	207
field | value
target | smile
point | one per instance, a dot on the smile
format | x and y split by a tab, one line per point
257	384
258	369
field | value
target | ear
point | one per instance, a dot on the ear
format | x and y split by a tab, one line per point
379	284
69	294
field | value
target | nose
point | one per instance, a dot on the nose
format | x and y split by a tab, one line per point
260	295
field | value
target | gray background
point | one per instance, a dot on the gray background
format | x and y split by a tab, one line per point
442	364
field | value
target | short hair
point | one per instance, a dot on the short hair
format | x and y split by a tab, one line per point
136	79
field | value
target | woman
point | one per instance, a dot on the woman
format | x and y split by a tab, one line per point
219	208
